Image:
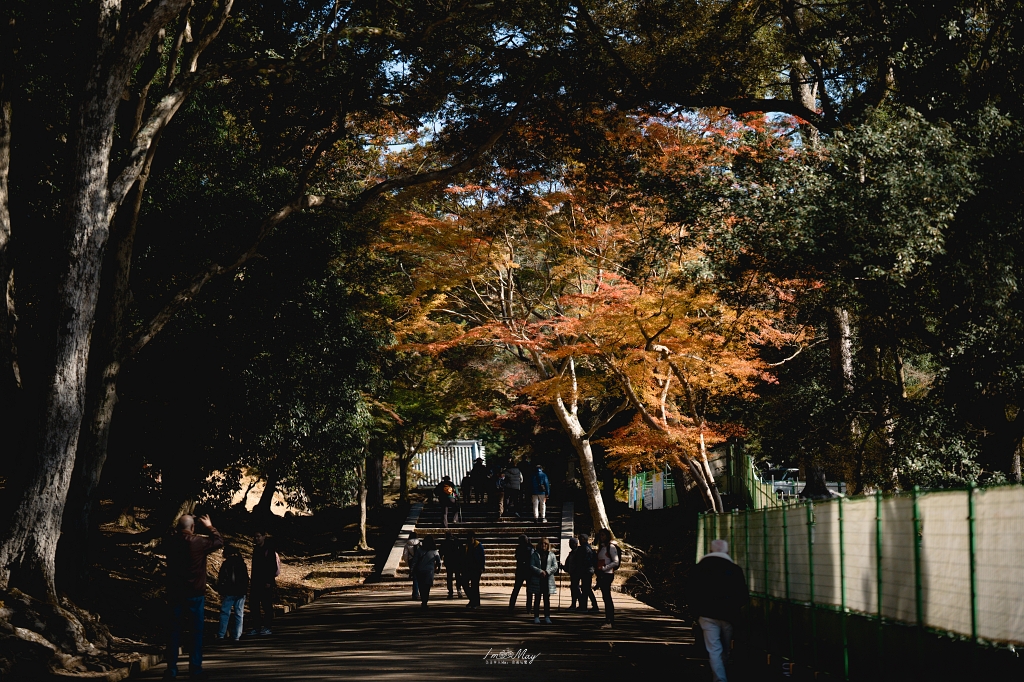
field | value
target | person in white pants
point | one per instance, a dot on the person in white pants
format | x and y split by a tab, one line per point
541	490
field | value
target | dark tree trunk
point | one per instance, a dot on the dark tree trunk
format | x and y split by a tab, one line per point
265	505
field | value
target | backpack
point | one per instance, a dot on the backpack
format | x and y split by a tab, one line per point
448	491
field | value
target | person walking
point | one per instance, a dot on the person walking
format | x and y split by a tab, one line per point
452	554
586	565
186	589
481	478
499	488
718	594
266	566
524	554
466	486
543	567
513	485
473	568
233	585
425	562
447	496
608	559
541	489
407	555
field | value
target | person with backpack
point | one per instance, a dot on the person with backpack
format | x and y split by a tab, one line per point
717	595
543	567
452	554
407	555
266	566
524	554
425	562
473	567
233	585
586	565
499	487
608	559
541	490
447	496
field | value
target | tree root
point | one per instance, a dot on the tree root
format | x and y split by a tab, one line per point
38	638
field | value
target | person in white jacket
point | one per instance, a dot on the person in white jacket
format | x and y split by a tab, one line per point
608	559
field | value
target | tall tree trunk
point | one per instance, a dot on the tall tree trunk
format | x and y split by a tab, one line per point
29	546
265	505
362	471
841	379
105	361
581	444
10	374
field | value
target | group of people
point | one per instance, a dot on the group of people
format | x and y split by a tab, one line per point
506	487
187	552
464	563
536	567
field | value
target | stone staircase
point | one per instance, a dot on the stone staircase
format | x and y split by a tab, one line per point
499	537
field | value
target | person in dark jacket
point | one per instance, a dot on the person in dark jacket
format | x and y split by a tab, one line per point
481	478
186	589
513	487
233	585
585	565
524	553
452	554
541	489
266	566
570	567
473	568
447	496
718	593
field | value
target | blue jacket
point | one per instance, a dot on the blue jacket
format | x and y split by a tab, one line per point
541	485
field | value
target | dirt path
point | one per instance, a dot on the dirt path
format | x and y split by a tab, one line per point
378	633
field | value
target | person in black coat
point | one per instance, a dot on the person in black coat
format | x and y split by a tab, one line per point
718	594
453	553
524	553
585	564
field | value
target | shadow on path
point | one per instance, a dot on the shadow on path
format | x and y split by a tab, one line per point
381	634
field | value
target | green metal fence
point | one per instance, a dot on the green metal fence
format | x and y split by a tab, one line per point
940	563
741	479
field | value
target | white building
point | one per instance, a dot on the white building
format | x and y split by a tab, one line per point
453	458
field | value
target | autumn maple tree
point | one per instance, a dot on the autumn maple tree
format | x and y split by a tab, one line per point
599	304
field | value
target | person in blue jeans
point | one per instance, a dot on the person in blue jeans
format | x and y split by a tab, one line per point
233	585
186	589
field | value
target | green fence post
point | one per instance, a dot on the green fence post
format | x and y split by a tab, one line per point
918	588
785	560
842	594
746	544
732	531
974	567
810	574
878	570
764	557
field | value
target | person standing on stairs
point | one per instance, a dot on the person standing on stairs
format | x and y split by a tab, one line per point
571	566
452	554
513	485
608	559
543	567
524	554
541	490
473	568
425	562
447	496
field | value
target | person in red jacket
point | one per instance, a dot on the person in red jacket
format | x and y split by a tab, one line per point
186	589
